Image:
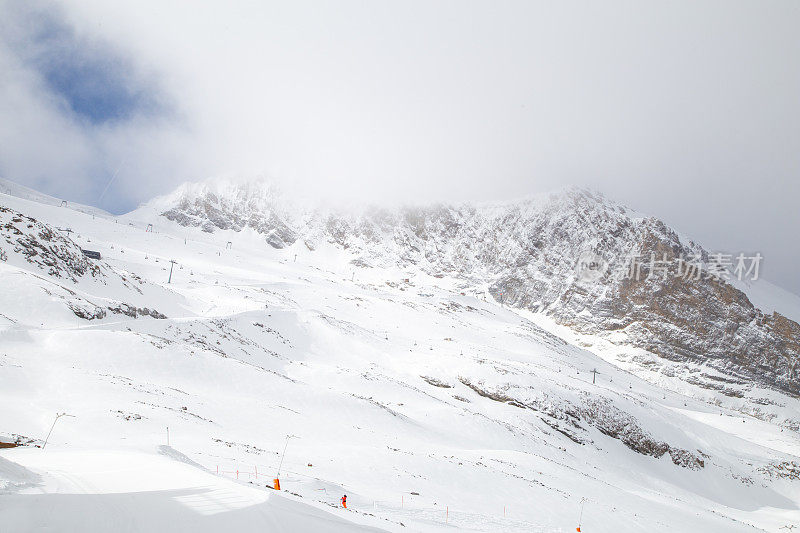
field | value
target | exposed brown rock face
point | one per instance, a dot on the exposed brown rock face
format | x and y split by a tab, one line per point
703	320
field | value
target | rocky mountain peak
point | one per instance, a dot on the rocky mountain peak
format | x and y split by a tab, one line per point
529	253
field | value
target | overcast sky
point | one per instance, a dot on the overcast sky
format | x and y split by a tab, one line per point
689	111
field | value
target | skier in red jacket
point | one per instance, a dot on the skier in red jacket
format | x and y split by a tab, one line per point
344	501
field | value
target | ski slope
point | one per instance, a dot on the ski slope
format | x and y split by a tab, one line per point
130	490
429	404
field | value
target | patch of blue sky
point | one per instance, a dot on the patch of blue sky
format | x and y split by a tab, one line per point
97	83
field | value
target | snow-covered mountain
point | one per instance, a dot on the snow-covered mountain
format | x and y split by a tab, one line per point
435	364
526	253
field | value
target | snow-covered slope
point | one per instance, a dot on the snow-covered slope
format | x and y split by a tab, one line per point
526	253
130	490
10	188
405	385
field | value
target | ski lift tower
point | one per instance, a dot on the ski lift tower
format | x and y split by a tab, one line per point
171	264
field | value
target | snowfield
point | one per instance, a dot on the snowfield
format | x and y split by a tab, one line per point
427	402
129	490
